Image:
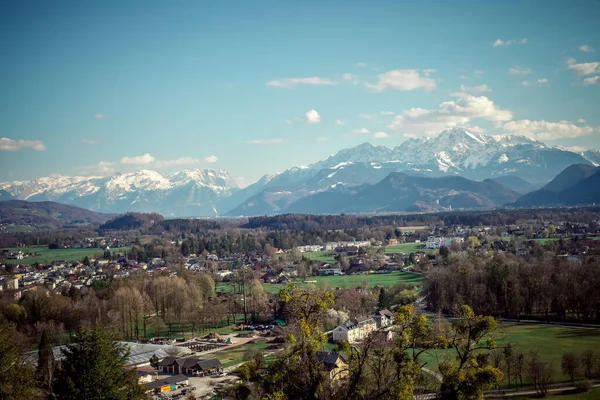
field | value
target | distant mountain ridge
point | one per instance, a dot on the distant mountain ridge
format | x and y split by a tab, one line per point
517	162
47	215
188	192
399	192
454	152
577	184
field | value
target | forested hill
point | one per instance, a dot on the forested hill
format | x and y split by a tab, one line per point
46	215
132	221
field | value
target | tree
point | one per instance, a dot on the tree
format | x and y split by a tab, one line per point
470	334
570	365
45	366
588	362
16	376
472	242
93	367
154	360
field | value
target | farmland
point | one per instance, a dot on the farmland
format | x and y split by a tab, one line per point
344	281
43	254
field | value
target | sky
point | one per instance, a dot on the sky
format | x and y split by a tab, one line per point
254	88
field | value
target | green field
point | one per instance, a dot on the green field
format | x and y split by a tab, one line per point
406	248
45	255
322	256
344	281
549	340
236	355
593	394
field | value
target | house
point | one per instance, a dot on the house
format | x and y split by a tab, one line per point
354	330
333	364
347	250
330	271
392	242
383	318
190	366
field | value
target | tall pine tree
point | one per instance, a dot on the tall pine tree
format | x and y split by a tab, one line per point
45	367
93	367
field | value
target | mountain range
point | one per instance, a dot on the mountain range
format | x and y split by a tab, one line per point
455	169
577	184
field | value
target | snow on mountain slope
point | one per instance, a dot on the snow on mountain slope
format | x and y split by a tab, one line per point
189	192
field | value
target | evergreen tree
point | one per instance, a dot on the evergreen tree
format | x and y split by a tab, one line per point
45	367
93	367
16	376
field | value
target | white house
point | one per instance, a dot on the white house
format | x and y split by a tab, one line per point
383	318
354	330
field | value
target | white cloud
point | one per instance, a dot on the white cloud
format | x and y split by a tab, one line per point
476	89
265	142
293	82
385	112
540	81
100	116
348	77
90	141
211	159
428	72
545	130
139	160
321	139
369	117
361	130
177	162
585	48
7	144
517	70
581	121
501	43
339	122
312	117
459	112
594	80
361	65
105	167
583	68
380	135
478	72
402	79
464	77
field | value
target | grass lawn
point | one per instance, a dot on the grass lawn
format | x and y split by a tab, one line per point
236	355
591	395
45	255
549	340
322	256
406	248
343	281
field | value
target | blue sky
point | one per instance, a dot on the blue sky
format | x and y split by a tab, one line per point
258	87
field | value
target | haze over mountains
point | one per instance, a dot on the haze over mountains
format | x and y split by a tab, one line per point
456	169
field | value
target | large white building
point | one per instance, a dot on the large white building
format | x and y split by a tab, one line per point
435	242
354	330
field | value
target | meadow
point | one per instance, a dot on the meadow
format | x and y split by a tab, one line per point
551	341
343	281
44	255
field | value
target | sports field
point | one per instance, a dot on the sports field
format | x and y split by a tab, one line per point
44	255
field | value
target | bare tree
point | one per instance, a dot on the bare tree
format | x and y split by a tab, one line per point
570	365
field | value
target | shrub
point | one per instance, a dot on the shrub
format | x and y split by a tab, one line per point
583	386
